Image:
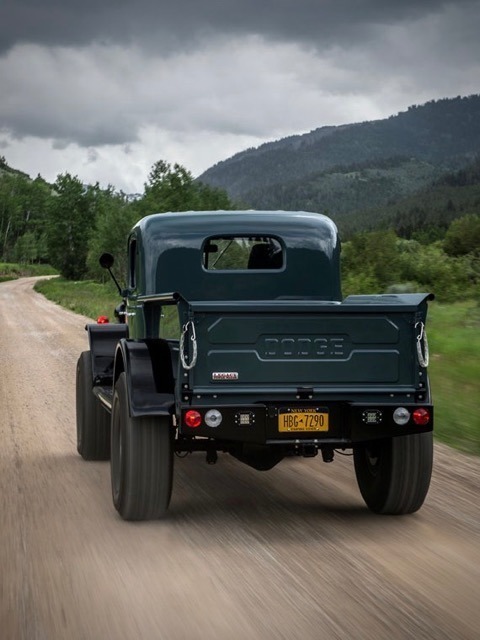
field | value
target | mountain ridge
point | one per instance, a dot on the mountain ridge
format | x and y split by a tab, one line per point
291	172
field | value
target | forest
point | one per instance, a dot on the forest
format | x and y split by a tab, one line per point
69	224
431	243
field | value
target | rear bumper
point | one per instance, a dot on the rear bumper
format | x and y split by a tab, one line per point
348	423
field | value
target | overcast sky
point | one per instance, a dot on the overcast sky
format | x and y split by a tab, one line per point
102	89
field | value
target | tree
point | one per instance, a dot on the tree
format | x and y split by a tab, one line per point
23	206
463	236
174	189
71	219
374	257
26	248
168	189
115	218
212	198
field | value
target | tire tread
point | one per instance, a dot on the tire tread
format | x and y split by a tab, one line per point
404	474
146	470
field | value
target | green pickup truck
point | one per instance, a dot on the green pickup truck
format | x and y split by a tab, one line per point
233	337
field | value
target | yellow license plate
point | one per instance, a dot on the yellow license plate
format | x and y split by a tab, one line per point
302	420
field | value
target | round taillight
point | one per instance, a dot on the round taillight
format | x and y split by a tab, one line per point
102	320
213	418
192	419
401	416
421	416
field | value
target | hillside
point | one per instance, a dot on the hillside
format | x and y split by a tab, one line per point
5	169
357	166
425	214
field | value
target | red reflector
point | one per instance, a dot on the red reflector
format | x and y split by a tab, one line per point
192	419
421	416
102	320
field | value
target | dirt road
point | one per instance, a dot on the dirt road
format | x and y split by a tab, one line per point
291	553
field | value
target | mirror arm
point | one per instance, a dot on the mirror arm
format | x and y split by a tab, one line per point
120	290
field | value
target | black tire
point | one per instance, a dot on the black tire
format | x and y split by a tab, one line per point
141	461
393	475
93	421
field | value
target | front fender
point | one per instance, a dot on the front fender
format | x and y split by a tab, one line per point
103	340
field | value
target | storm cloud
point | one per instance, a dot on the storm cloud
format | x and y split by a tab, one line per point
110	84
184	23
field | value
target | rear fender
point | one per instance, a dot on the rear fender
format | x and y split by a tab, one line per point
149	375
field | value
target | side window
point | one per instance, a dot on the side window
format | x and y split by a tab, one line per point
242	253
132	260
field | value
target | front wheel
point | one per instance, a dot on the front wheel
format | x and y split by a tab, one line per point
394	474
141	460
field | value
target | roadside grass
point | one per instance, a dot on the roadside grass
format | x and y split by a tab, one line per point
12	271
454	340
89	298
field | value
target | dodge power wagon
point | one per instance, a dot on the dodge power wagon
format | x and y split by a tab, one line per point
233	337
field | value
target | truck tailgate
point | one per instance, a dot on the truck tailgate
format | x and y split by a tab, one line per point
293	344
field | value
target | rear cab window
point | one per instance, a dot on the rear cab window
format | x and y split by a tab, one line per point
243	253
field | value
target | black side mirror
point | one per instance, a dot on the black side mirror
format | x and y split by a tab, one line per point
106	261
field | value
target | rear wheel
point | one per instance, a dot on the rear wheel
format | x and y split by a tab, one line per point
394	474
93	421
141	460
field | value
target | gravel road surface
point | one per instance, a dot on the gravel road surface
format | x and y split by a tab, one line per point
291	553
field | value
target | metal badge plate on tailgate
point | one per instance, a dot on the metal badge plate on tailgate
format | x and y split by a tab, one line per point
300	419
